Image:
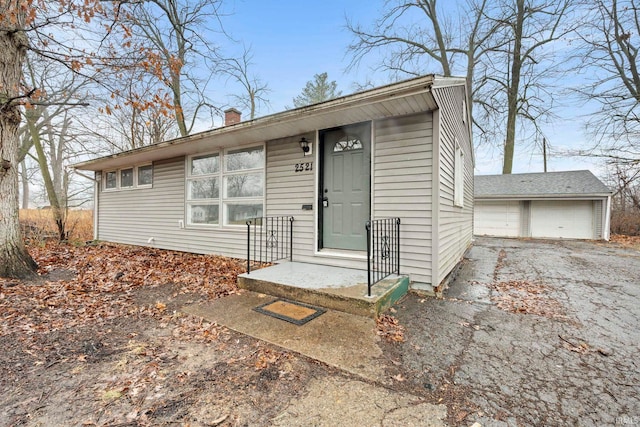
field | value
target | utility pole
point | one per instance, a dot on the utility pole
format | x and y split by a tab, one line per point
544	152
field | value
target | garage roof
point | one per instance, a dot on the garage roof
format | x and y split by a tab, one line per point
538	185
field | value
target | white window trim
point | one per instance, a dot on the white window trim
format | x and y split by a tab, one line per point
458	175
104	180
133	178
135	185
222	201
189	177
138	185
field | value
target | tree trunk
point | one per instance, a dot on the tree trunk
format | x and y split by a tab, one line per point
56	209
514	88
25	185
15	261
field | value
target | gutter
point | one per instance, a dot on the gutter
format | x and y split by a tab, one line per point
74	170
541	196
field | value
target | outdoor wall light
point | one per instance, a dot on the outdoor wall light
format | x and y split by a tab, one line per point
304	144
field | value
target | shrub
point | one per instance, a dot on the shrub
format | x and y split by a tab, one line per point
625	222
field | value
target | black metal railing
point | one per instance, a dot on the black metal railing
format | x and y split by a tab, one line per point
269	239
383	249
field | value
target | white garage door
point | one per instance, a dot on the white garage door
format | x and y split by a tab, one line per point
565	219
497	219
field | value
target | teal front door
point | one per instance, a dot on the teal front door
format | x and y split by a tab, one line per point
345	186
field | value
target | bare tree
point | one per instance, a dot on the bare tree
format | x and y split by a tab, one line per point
255	90
497	45
37	26
610	42
521	65
173	36
141	116
414	36
49	130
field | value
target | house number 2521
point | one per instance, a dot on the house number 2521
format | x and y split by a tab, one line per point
301	167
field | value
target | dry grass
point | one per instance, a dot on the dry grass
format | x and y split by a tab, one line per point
625	222
38	224
632	242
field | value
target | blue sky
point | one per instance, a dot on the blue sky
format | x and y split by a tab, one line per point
293	40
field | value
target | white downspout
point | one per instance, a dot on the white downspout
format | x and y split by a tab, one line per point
96	197
607	220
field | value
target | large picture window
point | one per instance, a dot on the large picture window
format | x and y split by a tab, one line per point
243	185
203	190
225	188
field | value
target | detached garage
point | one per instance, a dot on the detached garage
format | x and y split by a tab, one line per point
565	205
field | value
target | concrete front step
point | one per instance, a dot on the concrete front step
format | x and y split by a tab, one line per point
334	288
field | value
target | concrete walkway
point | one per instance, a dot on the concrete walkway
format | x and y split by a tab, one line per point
345	341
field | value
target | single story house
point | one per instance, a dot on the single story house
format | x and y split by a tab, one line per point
403	151
567	205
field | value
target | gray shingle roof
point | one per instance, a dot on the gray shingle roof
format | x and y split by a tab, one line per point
552	184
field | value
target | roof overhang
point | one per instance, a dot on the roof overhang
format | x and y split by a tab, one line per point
398	99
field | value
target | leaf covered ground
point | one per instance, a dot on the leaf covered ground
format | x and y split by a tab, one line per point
98	340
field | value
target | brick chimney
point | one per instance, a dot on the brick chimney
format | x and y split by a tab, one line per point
232	116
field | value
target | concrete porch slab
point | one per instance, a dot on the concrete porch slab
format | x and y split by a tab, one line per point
336	288
342	340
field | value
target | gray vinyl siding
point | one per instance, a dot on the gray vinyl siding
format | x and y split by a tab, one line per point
401	186
134	216
288	190
455	224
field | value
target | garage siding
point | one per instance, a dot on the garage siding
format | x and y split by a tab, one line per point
598	215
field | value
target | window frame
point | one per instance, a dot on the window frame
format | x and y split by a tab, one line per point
189	178
137	175
118	173
241	200
223	201
104	179
133	178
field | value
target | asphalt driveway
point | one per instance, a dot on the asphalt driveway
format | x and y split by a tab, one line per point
529	333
